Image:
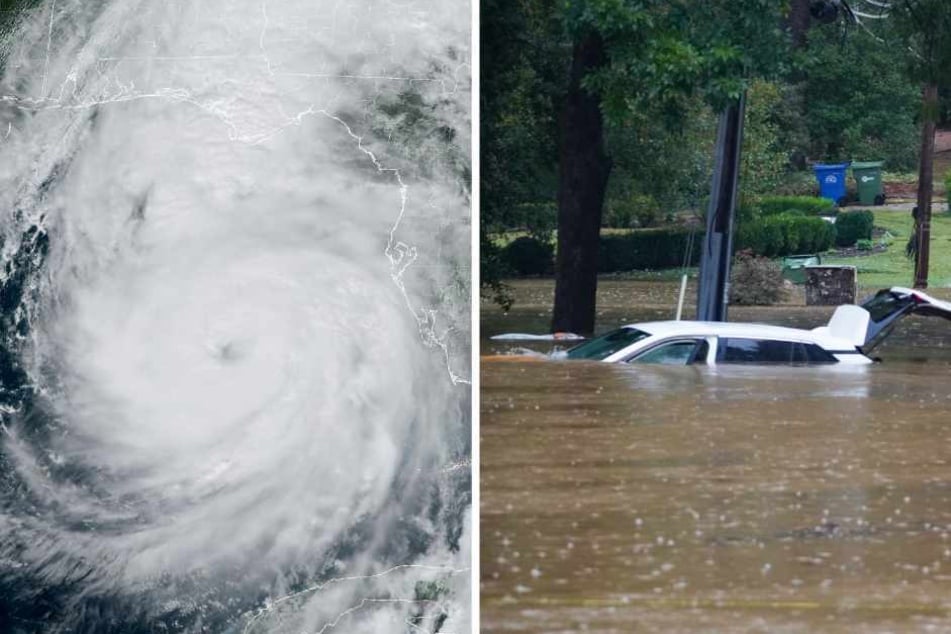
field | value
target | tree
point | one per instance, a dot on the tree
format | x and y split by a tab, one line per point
627	57
525	55
858	102
923	28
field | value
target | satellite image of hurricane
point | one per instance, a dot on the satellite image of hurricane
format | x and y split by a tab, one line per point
235	316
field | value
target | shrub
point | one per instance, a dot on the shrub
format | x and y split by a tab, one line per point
864	245
756	281
528	256
785	234
853	226
539	219
627	213
662	248
947	185
648	249
774	234
804	205
802	183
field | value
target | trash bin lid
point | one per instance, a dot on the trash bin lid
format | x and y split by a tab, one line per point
867	165
830	166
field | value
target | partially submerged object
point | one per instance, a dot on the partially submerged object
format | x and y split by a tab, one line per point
848	338
717	342
555	336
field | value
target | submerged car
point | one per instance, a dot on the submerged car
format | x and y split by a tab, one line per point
848	338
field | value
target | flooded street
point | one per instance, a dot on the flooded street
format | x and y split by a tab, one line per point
732	499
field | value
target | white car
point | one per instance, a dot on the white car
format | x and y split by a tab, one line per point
847	339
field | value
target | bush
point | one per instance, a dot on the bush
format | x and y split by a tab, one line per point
663	248
947	185
539	219
756	281
853	226
804	205
801	183
528	256
648	249
864	245
628	213
785	234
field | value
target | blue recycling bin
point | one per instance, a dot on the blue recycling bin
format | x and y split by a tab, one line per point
832	181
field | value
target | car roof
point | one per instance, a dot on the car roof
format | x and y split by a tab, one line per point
735	329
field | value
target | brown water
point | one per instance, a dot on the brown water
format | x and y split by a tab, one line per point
625	498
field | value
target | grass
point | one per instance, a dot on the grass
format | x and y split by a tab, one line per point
892	267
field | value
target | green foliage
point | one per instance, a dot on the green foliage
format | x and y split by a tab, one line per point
852	226
635	211
800	183
529	256
662	52
522	78
947	185
864	245
493	270
785	234
764	160
671	164
539	219
648	249
858	102
804	205
756	281
922	33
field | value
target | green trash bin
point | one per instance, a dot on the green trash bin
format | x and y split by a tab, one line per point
794	266
868	177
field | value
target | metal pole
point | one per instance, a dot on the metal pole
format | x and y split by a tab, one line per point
680	298
717	253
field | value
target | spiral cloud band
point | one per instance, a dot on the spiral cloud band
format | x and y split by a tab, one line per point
234	316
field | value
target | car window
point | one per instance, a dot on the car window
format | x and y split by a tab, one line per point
760	351
604	346
884	304
815	354
681	352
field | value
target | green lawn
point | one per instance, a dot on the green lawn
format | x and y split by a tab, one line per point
892	268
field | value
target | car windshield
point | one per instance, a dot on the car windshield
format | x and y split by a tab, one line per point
604	346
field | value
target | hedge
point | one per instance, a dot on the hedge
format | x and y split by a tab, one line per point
648	249
804	205
853	226
528	256
664	248
785	234
651	249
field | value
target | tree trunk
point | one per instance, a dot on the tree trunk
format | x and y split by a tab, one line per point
926	183
799	20
582	179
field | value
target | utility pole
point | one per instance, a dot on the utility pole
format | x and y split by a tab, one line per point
926	183
717	254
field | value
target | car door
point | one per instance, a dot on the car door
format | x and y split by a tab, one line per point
756	351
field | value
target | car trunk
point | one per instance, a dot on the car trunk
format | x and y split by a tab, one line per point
889	306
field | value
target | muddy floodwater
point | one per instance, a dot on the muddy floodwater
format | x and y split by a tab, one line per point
731	499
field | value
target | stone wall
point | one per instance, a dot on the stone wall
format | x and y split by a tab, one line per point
830	285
